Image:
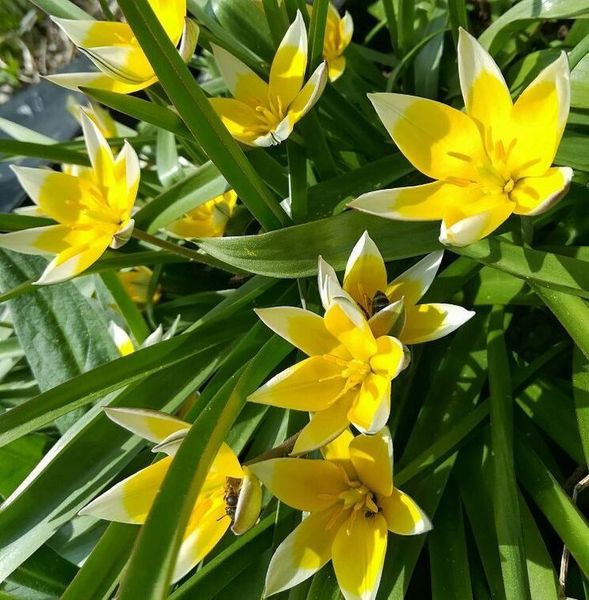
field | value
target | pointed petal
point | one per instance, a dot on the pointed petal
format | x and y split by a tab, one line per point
249	503
338	452
127	63
208	523
390	318
302	553
535	195
304	101
428	322
98	150
241	81
439	140
347	323
38	240
290	62
240	119
88	34
121	339
225	464
480	80
305	484
336	68
324	426
73	261
372	457
371	409
300	327
328	283
128	173
460	230
389	358
414	282
171	15
152	425
97	80
538	120
358	550
311	385
426	202
365	272
130	500
402	514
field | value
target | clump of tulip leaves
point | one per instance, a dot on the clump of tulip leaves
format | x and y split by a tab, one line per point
332	312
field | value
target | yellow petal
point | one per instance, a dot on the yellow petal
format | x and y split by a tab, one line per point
336	66
338	452
87	34
289	65
302	104
390	318
127	63
324	426
402	514
249	503
130	500
127	174
303	552
121	339
347	323
365	272
535	195
328	284
538	120
389	359
208	523
481	80
171	15
152	425
241	81
38	240
226	464
302	328
97	80
358	550
415	281
304	484
428	322
313	384
440	141
99	151
73	261
372	457
426	202
371	408
460	230
241	120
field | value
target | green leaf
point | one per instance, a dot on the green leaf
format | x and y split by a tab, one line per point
50	152
505	493
199	116
62	8
292	252
581	398
17	461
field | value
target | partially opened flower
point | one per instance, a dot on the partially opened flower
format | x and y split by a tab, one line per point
338	35
493	161
264	114
207	220
136	282
130	500
352	505
92	208
125	344
347	377
101	117
113	48
392	307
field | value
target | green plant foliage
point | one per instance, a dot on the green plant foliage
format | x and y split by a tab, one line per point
222	217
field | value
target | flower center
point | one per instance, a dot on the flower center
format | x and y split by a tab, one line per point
360	498
355	372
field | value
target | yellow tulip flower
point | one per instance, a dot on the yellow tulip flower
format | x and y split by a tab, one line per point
490	162
113	48
264	114
92	209
207	220
392	306
130	500
346	379
136	282
352	504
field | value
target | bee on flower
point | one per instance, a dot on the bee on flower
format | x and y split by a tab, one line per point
352	505
264	113
92	208
113	48
130	500
207	220
492	161
392	308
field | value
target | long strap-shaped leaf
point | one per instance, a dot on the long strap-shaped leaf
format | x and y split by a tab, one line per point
199	116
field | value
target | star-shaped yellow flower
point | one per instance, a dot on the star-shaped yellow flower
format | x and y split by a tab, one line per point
207	220
392	307
352	504
347	377
92	208
490	162
338	35
130	500
113	48
264	114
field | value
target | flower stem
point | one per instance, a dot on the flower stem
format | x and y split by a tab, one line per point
283	449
